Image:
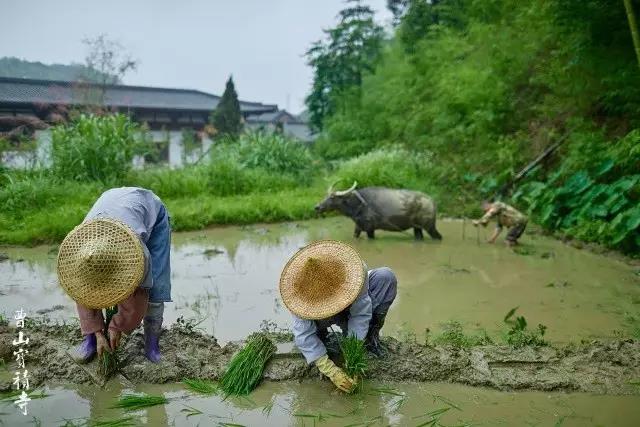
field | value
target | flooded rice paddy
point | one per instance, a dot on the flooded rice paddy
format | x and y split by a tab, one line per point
225	279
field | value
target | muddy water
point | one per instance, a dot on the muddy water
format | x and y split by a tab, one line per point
300	404
226	279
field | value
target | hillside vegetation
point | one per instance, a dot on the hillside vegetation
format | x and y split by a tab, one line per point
481	87
21	68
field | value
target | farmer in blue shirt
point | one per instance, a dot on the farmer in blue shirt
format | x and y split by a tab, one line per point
326	283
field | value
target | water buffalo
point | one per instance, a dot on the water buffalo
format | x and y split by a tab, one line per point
374	208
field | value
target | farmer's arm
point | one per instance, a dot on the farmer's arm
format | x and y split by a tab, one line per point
314	351
130	312
360	314
91	321
307	340
495	234
495	210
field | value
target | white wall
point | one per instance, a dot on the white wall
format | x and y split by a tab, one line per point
40	157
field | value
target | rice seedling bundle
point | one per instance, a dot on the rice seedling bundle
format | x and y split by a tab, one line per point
108	363
355	357
245	369
201	386
132	402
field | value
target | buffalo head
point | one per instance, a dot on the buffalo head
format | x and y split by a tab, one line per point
335	200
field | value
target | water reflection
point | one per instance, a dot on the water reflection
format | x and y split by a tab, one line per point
317	403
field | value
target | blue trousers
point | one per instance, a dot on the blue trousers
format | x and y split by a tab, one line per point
159	245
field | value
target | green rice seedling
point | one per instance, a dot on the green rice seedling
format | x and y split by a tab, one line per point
319	417
191	411
399	398
201	386
386	390
266	410
108	362
245	369
355	358
446	401
132	402
434	417
366	423
10	396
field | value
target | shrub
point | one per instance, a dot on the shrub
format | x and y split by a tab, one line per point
275	153
95	148
221	177
594	195
396	168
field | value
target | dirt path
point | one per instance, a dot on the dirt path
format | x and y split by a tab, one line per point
598	367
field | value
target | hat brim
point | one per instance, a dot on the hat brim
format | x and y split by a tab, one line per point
112	282
329	294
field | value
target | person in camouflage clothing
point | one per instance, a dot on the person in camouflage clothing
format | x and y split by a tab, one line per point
507	216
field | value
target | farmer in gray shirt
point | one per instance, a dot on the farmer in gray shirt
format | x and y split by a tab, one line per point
119	256
326	283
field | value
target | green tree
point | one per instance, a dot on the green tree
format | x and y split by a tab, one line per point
226	118
339	62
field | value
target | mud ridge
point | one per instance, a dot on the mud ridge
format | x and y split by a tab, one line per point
611	367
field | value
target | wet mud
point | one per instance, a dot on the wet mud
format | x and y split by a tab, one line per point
611	367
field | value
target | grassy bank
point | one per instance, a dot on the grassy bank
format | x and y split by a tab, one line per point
42	209
259	178
51	224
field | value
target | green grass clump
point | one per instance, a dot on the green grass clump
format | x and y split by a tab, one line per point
355	358
245	369
452	334
201	386
132	402
519	336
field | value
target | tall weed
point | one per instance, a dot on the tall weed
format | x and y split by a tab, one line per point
95	148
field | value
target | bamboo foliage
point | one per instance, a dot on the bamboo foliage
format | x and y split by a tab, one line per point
633	27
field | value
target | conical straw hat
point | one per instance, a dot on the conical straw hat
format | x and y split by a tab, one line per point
322	279
100	263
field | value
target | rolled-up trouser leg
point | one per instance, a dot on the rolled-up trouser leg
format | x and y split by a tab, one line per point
383	288
152	329
515	232
153	318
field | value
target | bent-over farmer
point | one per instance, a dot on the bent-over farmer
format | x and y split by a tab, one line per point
326	283
506	216
119	255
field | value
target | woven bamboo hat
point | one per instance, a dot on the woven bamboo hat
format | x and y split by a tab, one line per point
100	263
322	279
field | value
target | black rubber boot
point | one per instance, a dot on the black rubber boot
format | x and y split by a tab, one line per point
372	341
